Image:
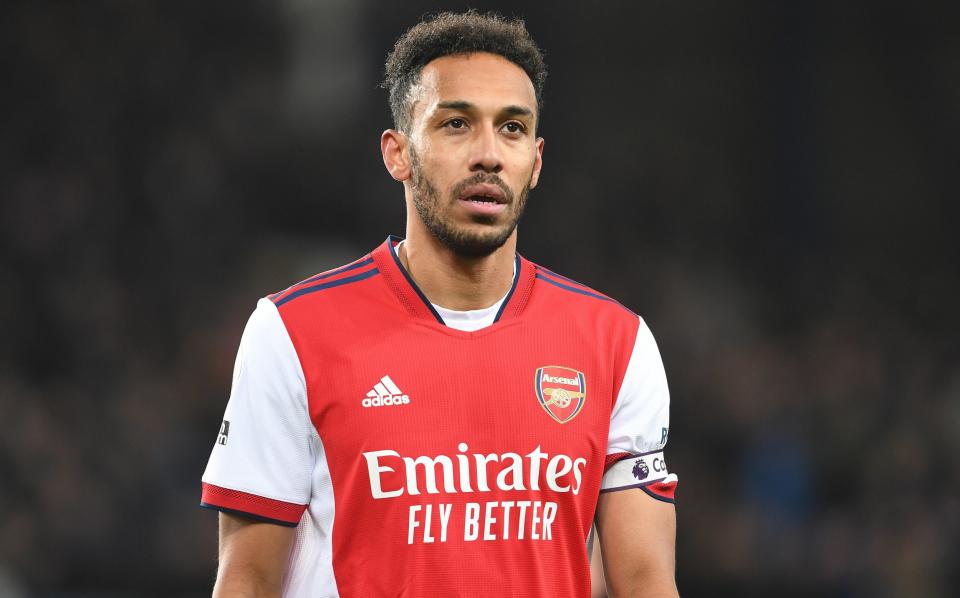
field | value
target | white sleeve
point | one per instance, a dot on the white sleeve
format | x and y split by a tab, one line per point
263	459
640	423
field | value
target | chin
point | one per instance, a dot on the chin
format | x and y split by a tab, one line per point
474	244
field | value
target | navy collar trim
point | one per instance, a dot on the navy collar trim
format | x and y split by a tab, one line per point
393	241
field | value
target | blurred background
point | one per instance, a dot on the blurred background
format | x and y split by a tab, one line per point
768	184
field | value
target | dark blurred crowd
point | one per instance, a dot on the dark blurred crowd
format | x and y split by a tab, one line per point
770	186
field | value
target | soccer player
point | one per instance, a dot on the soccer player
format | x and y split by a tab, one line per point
442	417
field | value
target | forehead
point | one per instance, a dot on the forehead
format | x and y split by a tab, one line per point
487	80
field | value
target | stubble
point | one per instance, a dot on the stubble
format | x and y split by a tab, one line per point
433	211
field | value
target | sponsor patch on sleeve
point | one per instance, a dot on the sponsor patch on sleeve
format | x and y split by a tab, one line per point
638	471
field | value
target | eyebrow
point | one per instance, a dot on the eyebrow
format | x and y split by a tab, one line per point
518	111
456	105
512	110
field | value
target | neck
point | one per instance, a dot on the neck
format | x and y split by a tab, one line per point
453	281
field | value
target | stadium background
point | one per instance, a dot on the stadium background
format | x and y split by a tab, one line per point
767	183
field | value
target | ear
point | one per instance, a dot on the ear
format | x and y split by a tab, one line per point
537	164
393	146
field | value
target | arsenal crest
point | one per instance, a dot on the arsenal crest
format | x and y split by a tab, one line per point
561	391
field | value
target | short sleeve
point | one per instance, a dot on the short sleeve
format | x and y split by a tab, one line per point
262	462
640	424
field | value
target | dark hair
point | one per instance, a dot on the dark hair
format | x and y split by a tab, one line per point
458	33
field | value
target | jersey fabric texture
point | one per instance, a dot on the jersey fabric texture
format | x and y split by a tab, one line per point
415	459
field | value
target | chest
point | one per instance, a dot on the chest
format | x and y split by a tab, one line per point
424	391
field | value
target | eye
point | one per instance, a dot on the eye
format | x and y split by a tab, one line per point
514	127
455	123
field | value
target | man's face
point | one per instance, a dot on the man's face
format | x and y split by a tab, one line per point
474	154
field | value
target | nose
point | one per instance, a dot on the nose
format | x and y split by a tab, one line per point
486	155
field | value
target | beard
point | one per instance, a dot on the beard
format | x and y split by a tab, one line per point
433	210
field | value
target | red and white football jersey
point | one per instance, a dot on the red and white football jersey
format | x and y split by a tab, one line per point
416	459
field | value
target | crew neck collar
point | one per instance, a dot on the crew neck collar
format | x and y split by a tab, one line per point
413	298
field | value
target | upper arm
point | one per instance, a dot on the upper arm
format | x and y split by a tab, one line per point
262	464
640	424
637	536
260	471
252	557
636	520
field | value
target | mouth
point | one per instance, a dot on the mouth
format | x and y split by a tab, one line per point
483	204
484	194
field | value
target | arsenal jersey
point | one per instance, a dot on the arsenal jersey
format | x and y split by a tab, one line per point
415	459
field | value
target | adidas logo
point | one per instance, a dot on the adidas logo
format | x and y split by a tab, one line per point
384	393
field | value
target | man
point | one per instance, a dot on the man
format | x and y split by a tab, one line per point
442	417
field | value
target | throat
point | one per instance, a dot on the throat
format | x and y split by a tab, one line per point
455	283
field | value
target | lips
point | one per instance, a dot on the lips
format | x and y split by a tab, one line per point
485	193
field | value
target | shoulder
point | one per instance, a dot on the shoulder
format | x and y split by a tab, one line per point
560	292
338	284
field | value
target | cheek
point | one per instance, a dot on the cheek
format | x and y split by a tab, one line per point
527	155
524	167
440	176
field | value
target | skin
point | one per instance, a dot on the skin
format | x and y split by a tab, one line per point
637	536
473	118
252	558
474	115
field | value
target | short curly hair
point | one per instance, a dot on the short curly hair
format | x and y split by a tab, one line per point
451	33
